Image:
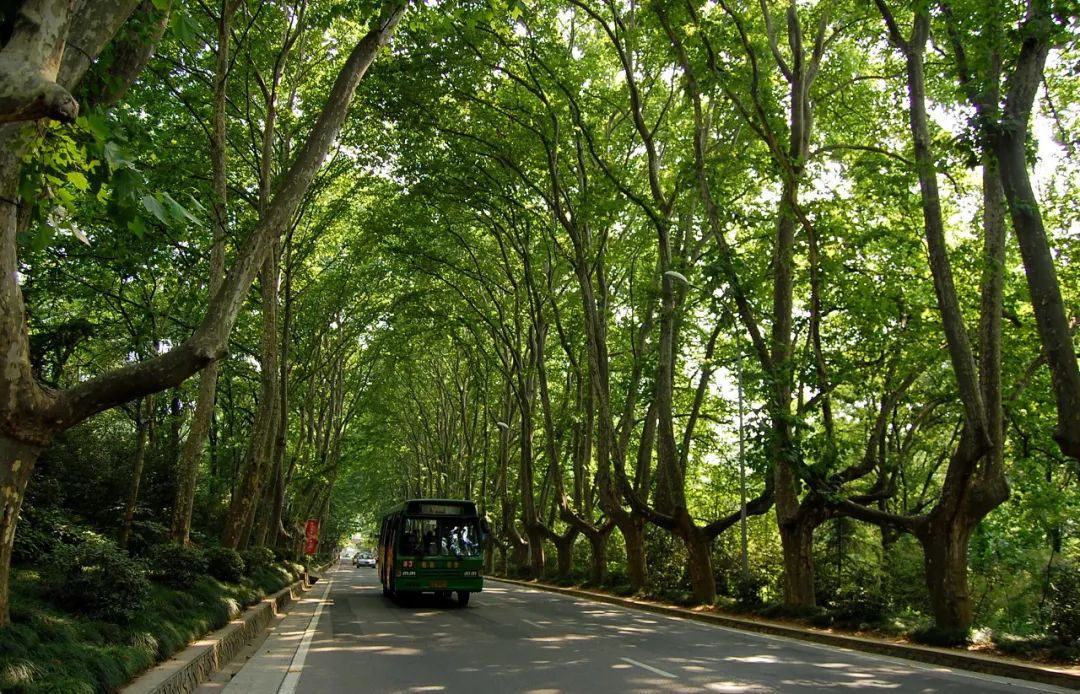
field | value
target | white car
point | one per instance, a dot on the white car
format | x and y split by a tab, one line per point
363	559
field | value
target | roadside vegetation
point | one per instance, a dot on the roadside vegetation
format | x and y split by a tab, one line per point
88	617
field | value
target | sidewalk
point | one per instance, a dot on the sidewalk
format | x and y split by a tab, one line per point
272	663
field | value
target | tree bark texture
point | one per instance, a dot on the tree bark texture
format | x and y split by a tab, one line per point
1009	139
797	539
598	545
945	562
30	63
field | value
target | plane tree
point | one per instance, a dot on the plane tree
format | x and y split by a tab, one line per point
34	414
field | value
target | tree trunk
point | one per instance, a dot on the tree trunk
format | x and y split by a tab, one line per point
598	544
533	529
536	552
519	555
14	476
702	581
30	61
1050	316
797	538
188	469
280	440
489	557
142	430
945	554
253	473
632	529
132	48
261	526
564	549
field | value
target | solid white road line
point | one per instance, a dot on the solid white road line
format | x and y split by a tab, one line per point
288	686
650	668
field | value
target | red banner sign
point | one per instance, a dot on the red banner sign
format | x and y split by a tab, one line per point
311	536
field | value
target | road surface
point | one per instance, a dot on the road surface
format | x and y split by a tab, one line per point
347	637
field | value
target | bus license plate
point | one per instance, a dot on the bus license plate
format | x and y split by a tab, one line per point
438	584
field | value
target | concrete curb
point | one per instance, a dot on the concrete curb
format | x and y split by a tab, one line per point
1067	677
198	662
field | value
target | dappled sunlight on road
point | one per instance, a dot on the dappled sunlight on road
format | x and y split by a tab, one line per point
729	687
525	642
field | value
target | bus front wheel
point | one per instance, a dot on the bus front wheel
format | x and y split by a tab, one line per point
463	598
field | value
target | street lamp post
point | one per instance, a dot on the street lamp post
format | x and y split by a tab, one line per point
742	469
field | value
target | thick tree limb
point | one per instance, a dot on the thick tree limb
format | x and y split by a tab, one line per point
210	339
30	61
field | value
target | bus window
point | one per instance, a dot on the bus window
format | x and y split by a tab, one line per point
409	543
446	537
462	538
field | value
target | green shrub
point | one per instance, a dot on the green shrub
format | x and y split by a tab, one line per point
257	558
937	636
95	577
224	564
177	566
858	607
1064	601
145	537
748	591
41	530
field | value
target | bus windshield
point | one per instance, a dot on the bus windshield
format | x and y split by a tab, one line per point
449	537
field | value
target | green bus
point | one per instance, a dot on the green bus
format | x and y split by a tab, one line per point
432	546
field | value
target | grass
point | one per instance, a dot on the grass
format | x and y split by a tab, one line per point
47	649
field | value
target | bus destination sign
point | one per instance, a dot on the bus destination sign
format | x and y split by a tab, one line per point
441	510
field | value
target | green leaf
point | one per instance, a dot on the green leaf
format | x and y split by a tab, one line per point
78	180
178	211
196	205
42	236
79	233
116	157
186	30
136	226
98	126
154	207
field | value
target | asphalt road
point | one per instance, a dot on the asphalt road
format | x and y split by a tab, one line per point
516	640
